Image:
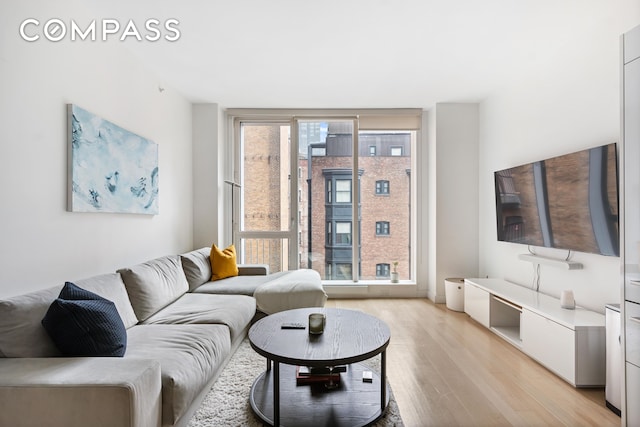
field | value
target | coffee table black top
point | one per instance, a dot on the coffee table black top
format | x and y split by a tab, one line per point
349	336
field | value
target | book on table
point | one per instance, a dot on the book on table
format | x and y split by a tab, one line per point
311	375
324	370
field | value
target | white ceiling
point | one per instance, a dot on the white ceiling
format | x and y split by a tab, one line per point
359	53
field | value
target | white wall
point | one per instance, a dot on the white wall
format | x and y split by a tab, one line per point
453	188
40	243
206	183
429	118
212	165
571	105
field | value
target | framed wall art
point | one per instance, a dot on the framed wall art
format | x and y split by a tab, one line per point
110	168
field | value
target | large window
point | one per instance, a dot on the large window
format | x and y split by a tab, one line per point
305	199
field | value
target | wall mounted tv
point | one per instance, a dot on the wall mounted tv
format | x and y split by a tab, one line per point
564	202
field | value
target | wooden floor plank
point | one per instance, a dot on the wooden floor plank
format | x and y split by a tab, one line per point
447	370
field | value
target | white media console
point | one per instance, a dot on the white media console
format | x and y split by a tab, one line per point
570	343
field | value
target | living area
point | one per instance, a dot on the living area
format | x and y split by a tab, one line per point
550	79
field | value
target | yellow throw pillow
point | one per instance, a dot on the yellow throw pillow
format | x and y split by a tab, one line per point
223	262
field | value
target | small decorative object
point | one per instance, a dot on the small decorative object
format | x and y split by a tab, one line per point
110	168
316	323
394	274
567	301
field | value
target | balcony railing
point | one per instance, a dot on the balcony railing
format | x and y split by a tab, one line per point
270	251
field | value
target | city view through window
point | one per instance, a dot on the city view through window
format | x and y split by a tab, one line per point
327	238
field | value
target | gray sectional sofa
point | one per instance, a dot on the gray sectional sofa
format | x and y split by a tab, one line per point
181	330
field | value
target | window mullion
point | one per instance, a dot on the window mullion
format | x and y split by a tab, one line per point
293	185
355	228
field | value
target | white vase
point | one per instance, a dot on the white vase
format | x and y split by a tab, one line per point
394	277
567	300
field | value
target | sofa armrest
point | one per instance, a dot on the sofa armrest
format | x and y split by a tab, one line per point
95	391
253	269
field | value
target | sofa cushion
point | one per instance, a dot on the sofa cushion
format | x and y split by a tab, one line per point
154	284
80	392
234	311
22	334
238	285
82	323
223	262
253	269
197	267
111	287
296	289
189	355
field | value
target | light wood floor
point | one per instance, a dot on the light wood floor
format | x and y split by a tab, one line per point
447	370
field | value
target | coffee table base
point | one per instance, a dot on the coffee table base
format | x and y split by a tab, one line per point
353	403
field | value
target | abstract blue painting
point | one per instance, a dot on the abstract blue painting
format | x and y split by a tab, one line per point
111	169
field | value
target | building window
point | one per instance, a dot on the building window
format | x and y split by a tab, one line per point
382	228
382	271
343	233
343	191
372	150
329	191
343	271
382	187
396	151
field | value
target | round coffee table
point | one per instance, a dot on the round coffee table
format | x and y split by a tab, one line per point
349	337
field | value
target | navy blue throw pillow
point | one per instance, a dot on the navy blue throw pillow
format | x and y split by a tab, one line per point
81	323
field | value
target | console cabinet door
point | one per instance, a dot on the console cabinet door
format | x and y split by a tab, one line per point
633	395
477	303
550	343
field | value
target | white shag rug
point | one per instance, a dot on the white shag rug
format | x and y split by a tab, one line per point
227	403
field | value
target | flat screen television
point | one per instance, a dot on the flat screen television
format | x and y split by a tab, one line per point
565	202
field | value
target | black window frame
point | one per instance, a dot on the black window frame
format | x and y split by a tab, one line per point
383	270
382	187
383	228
